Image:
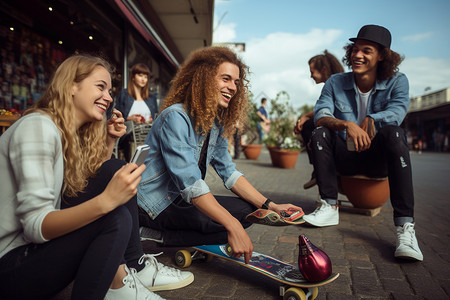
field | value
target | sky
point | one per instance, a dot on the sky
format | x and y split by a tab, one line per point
281	36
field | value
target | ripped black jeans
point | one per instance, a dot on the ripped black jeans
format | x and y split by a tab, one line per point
388	155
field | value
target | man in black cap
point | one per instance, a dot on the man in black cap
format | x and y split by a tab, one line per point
358	116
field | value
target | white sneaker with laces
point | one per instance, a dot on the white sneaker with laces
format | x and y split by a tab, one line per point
158	277
132	289
407	246
324	215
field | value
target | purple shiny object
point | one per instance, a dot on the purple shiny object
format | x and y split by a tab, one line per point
314	264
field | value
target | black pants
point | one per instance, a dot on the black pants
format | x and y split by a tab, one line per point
183	224
89	256
388	155
306	133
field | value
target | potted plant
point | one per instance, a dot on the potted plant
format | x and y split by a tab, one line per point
283	146
250	147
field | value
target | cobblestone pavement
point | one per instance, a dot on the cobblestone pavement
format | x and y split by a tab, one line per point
361	247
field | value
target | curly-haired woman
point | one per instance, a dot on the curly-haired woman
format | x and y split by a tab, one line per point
321	66
208	97
68	213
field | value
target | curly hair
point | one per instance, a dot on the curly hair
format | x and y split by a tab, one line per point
327	64
387	68
195	86
84	149
138	69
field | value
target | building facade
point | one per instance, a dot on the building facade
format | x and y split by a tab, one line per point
428	121
35	36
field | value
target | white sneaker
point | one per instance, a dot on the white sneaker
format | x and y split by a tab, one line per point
407	246
158	277
132	289
324	215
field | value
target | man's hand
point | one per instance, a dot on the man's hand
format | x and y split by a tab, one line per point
368	125
240	242
359	136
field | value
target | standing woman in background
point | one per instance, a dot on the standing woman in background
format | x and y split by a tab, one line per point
67	212
136	103
322	66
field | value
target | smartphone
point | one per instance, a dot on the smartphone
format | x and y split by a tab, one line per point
140	154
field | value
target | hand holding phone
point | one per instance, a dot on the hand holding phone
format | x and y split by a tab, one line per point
140	154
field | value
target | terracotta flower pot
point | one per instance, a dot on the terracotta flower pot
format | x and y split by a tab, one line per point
252	151
364	192
283	158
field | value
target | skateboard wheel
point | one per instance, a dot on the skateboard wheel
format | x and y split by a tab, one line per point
294	293
183	258
315	292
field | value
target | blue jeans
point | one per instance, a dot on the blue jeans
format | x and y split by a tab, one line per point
89	256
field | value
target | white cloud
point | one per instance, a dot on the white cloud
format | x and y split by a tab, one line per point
279	62
224	33
417	37
424	72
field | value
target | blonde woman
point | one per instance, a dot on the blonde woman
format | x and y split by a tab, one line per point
68	213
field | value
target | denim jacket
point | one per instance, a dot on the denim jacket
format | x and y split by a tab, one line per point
172	163
387	105
124	102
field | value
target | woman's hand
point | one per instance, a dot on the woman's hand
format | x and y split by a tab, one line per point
116	125
136	118
122	186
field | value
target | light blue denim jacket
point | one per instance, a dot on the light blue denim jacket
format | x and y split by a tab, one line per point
388	102
172	163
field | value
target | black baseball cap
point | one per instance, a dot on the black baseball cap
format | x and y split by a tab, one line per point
374	33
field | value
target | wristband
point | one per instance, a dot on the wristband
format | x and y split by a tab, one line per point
266	204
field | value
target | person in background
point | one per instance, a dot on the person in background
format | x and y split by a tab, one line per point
207	98
264	122
358	117
136	103
322	66
69	213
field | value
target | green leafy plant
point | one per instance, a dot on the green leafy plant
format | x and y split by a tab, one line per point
251	130
283	118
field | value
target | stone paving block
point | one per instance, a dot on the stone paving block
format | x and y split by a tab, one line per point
361	264
399	296
341	285
365	282
445	284
427	287
414	268
397	286
390	271
434	263
338	296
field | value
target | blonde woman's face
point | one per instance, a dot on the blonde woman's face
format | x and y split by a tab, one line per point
91	97
140	80
227	79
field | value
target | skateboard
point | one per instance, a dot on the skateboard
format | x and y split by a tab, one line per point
294	285
269	217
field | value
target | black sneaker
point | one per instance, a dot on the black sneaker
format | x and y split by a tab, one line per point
312	182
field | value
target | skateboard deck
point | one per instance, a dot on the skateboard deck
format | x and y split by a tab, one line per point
264	264
271	218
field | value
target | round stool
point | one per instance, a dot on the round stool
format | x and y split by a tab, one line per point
365	192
